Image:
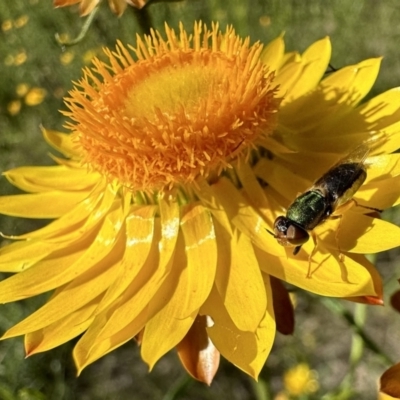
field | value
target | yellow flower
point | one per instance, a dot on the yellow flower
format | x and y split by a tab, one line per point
35	96
181	157
21	21
301	380
87	6
14	107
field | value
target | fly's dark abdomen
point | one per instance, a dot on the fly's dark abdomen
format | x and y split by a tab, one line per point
341	182
309	209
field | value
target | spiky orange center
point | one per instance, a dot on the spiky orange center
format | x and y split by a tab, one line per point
184	109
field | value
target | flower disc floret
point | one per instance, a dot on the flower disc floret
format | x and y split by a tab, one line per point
183	109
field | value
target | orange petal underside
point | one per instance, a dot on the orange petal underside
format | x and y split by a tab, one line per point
283	307
395	301
390	382
197	353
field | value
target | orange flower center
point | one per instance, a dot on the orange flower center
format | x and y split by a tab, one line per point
185	109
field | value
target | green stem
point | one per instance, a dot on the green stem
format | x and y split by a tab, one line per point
179	386
260	389
339	309
82	33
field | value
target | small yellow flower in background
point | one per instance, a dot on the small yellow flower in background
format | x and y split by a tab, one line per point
35	96
89	55
6	25
14	107
87	6
20	58
182	155
67	57
21	21
300	380
22	89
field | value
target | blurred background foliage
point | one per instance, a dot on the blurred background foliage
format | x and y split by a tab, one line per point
35	74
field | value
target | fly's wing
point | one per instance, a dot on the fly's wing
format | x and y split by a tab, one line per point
342	181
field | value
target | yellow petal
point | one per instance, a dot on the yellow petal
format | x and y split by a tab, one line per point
325	276
141	285
61	331
255	194
139	241
242	214
55	178
201	252
297	78
171	321
273	53
239	277
89	350
42	205
362	234
376	114
247	350
47	276
352	83
281	179
80	219
62	142
118	6
382	166
87	6
170	219
380	194
47	256
315	61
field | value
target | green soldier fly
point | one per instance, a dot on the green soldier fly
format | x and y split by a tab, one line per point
310	209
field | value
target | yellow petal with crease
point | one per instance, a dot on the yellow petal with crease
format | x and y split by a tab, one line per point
244	217
170	219
239	277
89	350
85	343
281	179
61	331
56	178
201	252
61	142
41	205
377	113
272	54
22	255
135	298
80	219
315	61
72	297
353	83
61	258
41	278
171	321
255	194
139	240
363	234
381	194
329	277
247	350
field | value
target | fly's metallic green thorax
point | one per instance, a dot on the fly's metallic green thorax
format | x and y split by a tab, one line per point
335	188
308	209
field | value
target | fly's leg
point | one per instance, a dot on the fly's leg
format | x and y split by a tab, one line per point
341	255
366	207
314	250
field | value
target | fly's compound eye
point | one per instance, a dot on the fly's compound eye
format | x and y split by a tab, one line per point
288	233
